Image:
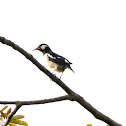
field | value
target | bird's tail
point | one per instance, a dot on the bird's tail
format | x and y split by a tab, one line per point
71	69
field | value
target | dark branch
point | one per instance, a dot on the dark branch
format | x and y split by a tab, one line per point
61	98
20	103
74	95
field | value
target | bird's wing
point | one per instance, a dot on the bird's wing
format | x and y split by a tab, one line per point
58	59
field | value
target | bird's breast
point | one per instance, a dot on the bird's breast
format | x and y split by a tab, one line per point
54	66
50	63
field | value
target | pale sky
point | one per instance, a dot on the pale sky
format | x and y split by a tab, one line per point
91	34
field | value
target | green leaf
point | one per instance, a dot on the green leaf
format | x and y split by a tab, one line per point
12	124
3	108
17	117
1	119
9	111
3	115
19	122
89	125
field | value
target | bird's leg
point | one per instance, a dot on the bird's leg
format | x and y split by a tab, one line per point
61	75
53	73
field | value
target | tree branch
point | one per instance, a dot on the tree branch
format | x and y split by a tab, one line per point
20	103
61	98
74	95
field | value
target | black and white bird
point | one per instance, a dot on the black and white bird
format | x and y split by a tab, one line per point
56	62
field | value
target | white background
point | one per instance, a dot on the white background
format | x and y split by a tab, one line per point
91	34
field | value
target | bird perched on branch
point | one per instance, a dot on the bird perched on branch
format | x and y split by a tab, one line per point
56	62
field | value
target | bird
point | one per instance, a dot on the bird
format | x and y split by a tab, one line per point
56	62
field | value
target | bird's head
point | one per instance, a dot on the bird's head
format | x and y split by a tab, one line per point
44	48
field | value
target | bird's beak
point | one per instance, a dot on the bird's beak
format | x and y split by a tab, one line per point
36	49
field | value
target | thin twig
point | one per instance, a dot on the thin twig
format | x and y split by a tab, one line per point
61	98
20	103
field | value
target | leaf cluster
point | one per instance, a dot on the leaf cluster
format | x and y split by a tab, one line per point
16	119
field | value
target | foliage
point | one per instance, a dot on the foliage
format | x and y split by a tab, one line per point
92	125
89	125
14	120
